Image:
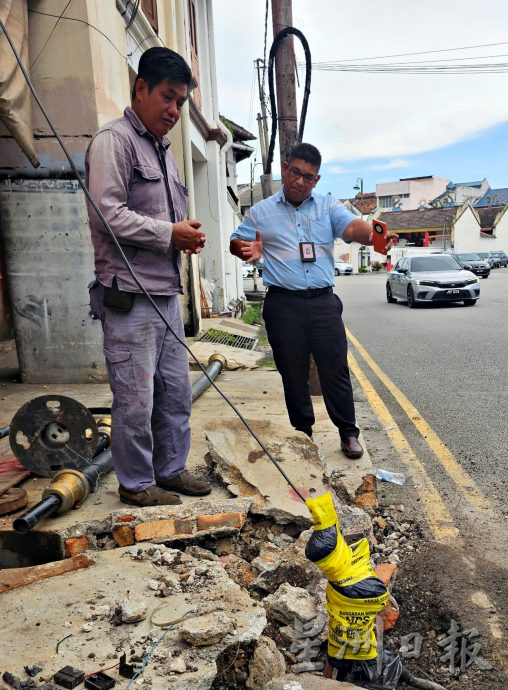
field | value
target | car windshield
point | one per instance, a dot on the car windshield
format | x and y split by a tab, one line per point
498	254
483	255
423	264
468	257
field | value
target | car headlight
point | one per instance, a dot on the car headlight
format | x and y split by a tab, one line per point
429	283
470	281
466	266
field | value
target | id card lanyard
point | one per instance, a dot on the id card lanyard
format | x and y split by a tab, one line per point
307	249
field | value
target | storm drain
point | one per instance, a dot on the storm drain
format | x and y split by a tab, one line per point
231	339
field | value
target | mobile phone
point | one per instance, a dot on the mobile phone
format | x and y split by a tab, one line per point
379	236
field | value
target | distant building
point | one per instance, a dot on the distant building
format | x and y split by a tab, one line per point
250	195
493	197
410	192
456	193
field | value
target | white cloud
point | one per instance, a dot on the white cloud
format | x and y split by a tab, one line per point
336	169
355	116
391	165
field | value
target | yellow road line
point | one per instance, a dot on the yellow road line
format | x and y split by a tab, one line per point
457	473
439	519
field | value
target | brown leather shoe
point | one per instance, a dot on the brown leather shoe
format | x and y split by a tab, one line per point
351	447
153	496
185	483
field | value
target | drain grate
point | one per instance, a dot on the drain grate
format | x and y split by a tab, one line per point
231	339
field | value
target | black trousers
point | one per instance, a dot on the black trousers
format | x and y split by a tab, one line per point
298	327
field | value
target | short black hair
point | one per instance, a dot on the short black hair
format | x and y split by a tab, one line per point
160	64
307	153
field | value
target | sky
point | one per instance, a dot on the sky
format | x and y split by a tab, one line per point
381	127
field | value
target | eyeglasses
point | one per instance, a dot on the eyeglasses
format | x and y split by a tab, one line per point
307	177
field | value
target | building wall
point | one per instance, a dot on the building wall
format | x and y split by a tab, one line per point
420	191
466	233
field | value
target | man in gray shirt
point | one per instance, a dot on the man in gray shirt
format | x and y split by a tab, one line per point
133	177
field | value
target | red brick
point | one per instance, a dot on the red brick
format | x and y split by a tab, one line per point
123	535
183	526
155	529
385	571
76	545
126	518
366	493
236	520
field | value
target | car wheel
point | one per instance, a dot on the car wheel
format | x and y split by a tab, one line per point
469	302
337	272
411	298
485	277
389	297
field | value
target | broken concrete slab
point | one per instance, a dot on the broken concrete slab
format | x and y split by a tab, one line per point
247	471
236	357
289	603
306	681
267	663
60	613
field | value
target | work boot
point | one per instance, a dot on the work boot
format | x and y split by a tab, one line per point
152	496
185	483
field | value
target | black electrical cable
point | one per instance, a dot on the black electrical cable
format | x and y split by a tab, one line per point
130	270
288	30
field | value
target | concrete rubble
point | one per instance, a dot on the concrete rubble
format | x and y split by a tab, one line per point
205	594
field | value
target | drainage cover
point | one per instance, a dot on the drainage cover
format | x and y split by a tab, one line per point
231	339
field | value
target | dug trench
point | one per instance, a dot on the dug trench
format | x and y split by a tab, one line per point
206	595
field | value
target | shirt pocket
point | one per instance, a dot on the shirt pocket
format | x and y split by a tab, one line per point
319	228
147	193
180	197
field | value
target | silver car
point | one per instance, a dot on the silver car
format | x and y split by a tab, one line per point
431	278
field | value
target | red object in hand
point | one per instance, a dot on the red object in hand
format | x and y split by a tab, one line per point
380	236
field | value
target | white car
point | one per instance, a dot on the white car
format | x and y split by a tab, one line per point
342	268
247	269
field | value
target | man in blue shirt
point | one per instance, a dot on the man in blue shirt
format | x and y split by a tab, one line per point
294	230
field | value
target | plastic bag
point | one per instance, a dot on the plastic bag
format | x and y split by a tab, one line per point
351	633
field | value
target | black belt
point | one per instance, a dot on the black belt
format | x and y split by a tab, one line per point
309	294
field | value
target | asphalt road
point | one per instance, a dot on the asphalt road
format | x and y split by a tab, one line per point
450	361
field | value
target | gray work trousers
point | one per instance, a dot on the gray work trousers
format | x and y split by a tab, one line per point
149	377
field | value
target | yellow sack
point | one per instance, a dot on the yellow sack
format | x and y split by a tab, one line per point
351	628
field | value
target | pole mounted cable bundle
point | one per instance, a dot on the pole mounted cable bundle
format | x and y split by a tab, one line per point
289	30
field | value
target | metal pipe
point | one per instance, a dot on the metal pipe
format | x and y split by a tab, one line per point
44	508
67	487
4	431
216	364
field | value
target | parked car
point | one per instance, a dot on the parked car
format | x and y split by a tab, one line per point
431	278
474	263
247	269
501	258
487	256
342	268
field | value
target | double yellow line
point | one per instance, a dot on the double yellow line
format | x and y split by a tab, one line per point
440	520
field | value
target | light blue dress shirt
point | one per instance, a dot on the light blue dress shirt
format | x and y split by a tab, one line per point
319	219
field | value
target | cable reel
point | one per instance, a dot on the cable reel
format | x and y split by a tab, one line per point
52	433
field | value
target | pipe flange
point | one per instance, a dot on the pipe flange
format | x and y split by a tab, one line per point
53	432
216	357
71	487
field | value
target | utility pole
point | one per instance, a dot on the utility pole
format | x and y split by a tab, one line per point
266	180
282	16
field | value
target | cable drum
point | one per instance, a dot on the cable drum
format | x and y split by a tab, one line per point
53	432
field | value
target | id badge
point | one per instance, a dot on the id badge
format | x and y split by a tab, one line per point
307	251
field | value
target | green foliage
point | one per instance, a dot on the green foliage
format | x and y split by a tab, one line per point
377	266
252	315
229	338
363	269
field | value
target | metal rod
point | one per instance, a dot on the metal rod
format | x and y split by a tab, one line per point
43	509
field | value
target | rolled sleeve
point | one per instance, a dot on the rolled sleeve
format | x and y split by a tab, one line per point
247	228
110	168
340	218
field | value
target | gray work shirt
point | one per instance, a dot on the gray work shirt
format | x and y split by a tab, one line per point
126	179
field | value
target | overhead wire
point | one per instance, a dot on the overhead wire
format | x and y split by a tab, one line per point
131	271
51	34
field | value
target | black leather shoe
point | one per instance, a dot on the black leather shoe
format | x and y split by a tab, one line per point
152	496
351	447
186	484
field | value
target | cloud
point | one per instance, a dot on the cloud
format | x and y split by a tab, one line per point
336	169
391	165
359	116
